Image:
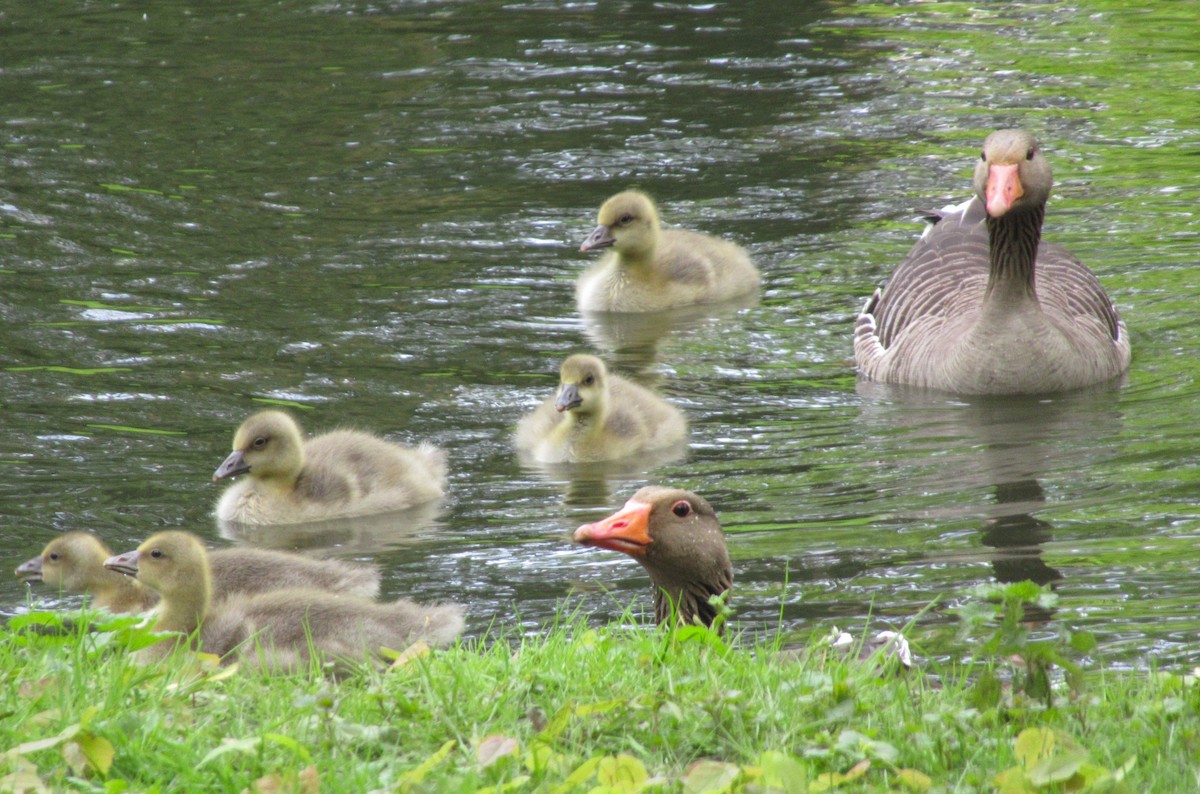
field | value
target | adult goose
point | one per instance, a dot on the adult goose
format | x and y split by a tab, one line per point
653	269
981	306
74	563
335	475
597	415
675	535
276	629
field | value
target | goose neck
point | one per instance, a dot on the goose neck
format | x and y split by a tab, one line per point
1012	249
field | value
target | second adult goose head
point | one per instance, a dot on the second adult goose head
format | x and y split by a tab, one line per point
675	535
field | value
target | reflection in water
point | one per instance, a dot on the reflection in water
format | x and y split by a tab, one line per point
632	338
1018	536
1006	444
595	482
360	534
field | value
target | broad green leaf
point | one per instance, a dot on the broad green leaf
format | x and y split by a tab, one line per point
783	773
1033	745
587	709
710	777
1058	767
99	751
621	772
913	780
581	773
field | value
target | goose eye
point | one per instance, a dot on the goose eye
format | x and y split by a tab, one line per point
260	442
983	156
625	219
156	553
54	555
681	508
1029	154
589	380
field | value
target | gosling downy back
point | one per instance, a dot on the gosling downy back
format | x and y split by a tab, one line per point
598	415
653	269
335	475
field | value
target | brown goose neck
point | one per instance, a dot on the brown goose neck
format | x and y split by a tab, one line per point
1012	249
691	602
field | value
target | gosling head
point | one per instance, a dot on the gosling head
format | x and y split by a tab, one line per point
170	562
267	445
582	386
69	562
628	223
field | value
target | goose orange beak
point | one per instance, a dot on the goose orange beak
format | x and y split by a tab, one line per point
626	531
1003	188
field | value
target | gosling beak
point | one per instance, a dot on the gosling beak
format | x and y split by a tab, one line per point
601	237
31	570
626	531
568	398
232	466
126	563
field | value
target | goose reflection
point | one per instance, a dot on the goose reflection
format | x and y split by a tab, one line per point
360	534
632	340
596	484
1006	445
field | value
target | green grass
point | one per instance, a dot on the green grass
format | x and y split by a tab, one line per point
575	708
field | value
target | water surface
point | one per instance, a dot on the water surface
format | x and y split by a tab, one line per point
371	214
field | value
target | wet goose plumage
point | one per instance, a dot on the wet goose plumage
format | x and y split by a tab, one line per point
982	306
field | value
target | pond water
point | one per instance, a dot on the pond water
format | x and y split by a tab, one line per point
371	213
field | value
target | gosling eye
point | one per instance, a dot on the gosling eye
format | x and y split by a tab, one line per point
1029	154
589	380
54	555
681	508
625	219
983	156
157	553
260	442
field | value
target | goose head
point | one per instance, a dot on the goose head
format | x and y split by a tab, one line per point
583	387
628	223
675	535
173	563
69	562
1011	174
268	445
